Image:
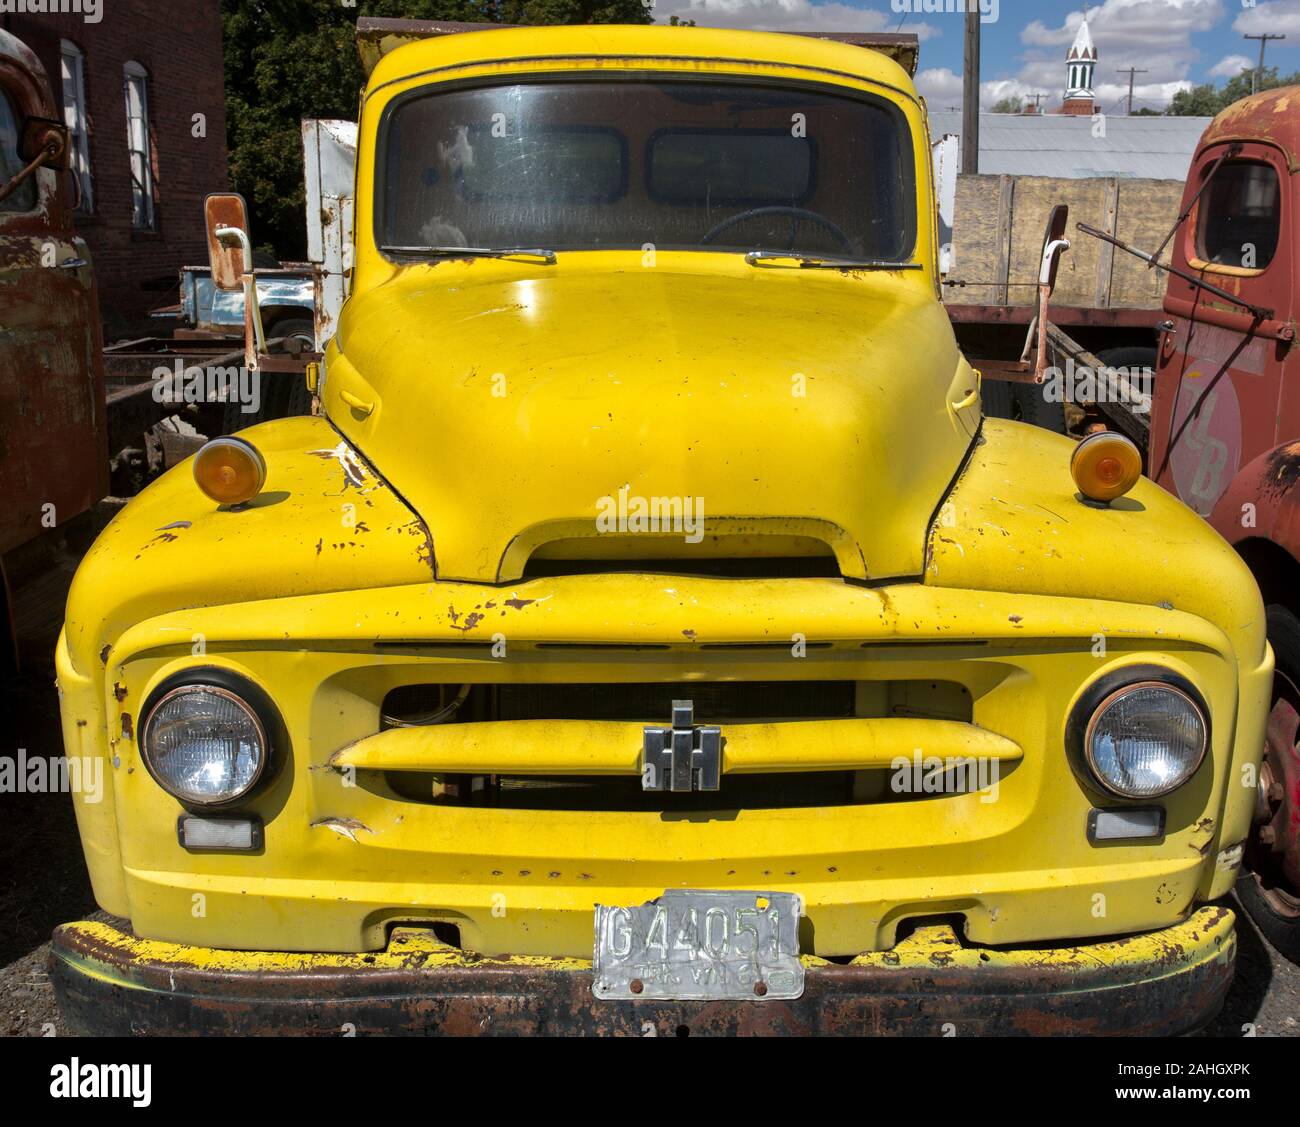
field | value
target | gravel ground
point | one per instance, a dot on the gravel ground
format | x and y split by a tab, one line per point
43	883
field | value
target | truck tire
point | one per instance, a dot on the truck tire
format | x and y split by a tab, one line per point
1037	410
995	396
300	327
284	394
1269	898
1133	356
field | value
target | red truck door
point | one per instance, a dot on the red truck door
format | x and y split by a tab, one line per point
53	443
1222	400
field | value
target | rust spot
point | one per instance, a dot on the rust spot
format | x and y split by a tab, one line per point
519	604
423	550
119	691
319	545
1283	469
690	634
81	723
1015	619
128	727
103	654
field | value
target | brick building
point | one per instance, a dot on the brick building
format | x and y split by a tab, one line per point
132	81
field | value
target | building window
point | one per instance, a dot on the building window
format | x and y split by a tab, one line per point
74	116
137	140
22	198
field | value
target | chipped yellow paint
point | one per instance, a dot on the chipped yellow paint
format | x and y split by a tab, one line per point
408	948
1206	936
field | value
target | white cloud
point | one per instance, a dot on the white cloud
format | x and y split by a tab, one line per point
785	15
940	87
942	90
1230	66
1270	17
1112	97
1156	24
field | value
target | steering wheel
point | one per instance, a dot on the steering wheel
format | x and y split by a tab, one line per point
796	214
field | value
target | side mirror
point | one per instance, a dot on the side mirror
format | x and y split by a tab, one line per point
227	257
1054	242
44	138
230	254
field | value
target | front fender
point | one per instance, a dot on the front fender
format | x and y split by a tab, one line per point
1261	501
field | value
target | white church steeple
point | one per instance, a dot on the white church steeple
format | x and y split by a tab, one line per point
1081	62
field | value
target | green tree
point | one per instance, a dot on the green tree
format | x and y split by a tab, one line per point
1209	100
1012	104
292	59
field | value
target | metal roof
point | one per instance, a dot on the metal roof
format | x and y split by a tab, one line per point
1154	148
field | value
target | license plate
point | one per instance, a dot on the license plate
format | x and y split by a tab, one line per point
691	944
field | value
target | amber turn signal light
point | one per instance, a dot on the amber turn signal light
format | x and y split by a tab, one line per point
1105	466
230	470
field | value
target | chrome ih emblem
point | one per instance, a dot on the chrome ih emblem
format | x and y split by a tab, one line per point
683	757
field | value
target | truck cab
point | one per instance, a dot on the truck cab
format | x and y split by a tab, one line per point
651	633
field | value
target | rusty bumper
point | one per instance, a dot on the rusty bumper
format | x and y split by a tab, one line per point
1160	983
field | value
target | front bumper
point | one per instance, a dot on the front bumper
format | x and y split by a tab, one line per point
1164	982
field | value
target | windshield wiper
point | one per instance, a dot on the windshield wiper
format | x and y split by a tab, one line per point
824	261
546	257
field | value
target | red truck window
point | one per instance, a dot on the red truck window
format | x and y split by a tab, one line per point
23	198
1241	216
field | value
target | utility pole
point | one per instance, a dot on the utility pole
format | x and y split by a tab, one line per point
1257	79
970	121
1037	100
1130	71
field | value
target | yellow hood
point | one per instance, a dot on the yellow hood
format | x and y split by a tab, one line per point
528	410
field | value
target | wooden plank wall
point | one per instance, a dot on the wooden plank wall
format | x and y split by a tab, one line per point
998	226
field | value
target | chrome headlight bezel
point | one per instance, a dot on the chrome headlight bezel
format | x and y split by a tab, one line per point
243	693
1099	696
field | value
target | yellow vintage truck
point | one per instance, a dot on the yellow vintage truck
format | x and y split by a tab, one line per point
650	634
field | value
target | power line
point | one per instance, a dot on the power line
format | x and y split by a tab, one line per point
1132	72
1257	79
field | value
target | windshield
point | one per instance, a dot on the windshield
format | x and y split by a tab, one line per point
668	164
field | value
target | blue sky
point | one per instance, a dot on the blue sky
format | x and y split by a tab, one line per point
1178	42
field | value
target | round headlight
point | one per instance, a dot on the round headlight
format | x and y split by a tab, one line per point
204	745
1145	739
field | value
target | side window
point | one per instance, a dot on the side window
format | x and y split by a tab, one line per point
137	139
22	198
1240	216
73	66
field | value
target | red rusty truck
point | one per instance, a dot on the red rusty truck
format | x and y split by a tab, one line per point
53	449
